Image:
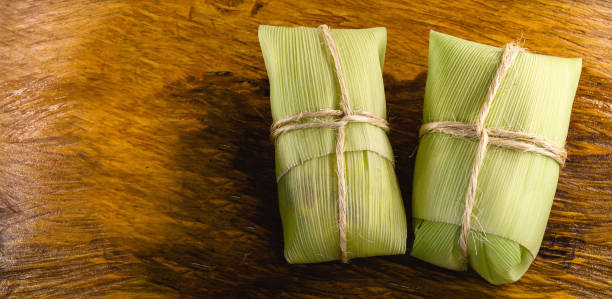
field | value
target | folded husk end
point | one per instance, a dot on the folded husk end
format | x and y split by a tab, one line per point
496	259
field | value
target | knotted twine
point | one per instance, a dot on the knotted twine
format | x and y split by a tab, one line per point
343	117
498	137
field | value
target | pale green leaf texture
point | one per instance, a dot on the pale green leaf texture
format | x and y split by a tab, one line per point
302	79
515	190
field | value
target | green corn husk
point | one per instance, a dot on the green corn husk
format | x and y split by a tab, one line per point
303	79
515	190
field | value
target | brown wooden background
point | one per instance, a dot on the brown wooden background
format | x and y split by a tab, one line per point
135	159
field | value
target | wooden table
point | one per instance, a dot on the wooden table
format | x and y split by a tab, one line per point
135	160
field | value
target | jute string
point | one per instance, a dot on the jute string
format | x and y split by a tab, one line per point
342	118
498	137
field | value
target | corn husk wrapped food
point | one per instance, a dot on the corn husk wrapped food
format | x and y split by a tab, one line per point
304	79
515	188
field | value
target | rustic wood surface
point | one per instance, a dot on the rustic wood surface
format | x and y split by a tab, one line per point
135	159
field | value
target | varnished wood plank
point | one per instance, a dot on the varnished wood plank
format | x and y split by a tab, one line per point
135	159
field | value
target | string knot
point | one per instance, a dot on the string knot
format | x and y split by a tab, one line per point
481	131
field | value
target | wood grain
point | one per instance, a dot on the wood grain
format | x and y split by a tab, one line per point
135	159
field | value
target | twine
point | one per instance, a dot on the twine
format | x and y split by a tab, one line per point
345	115
497	137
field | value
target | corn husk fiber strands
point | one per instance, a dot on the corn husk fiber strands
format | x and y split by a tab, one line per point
303	79
515	189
